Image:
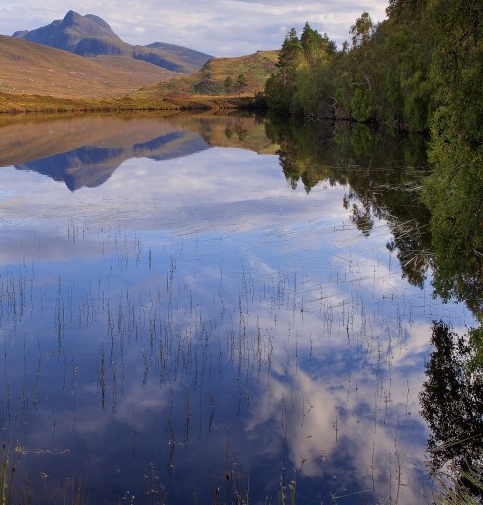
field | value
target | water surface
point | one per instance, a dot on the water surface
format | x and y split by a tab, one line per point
186	315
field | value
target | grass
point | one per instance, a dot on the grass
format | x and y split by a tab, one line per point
452	492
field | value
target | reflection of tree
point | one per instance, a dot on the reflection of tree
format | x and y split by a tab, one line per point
452	404
384	173
454	194
362	215
411	239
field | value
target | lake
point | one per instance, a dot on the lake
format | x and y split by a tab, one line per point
198	309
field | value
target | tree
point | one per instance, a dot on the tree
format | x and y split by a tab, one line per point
457	70
362	31
228	84
400	7
316	47
361	103
291	53
280	87
241	82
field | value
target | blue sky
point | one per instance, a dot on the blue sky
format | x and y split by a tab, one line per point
216	27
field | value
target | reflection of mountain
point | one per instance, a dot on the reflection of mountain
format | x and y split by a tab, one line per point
91	166
65	167
85	150
181	144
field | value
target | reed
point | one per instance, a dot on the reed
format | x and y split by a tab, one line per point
454	486
9	460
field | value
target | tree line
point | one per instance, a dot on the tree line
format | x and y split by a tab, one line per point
407	70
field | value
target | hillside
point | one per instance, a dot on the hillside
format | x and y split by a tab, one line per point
36	77
31	68
90	36
210	80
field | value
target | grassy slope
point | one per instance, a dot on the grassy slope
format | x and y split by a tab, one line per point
26	67
210	79
36	78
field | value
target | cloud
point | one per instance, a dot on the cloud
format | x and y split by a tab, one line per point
217	27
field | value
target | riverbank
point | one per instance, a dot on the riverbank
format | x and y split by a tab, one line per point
11	103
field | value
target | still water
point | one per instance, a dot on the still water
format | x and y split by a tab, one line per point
186	319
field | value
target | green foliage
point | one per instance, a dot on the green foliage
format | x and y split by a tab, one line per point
361	103
457	69
475	364
228	84
241	82
295	88
454	195
397	8
384	74
362	31
280	87
316	47
454	192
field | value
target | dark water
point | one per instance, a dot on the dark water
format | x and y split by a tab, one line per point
192	312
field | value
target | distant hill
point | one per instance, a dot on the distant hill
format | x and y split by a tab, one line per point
31	68
91	36
210	80
57	73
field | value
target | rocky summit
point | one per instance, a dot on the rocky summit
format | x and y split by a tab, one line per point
91	36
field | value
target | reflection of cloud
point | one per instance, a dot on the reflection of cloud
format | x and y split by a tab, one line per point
186	195
330	431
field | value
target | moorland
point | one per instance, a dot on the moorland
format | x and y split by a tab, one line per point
80	64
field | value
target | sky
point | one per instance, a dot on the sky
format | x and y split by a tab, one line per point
216	27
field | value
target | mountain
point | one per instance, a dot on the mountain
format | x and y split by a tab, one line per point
91	36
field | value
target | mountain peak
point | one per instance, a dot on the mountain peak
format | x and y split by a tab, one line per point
89	23
90	35
71	33
87	26
71	17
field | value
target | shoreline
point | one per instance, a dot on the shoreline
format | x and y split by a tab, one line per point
11	103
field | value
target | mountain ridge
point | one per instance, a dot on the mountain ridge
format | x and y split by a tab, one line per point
90	36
